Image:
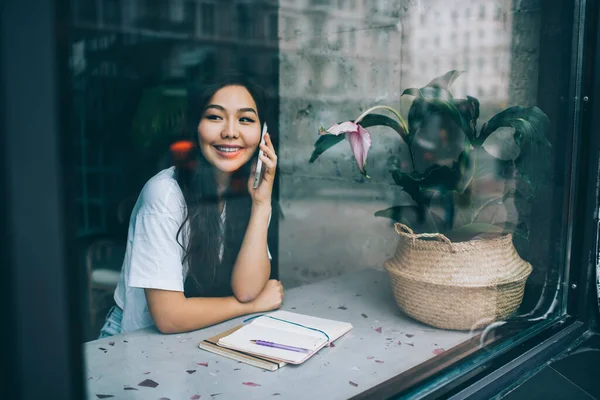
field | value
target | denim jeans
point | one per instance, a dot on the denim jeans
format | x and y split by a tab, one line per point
112	326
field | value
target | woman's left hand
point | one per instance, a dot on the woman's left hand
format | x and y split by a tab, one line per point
262	194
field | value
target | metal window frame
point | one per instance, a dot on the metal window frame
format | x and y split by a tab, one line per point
33	113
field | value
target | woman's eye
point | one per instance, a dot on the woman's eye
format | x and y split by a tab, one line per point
246	119
213	117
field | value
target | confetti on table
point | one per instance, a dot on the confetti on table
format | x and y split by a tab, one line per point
331	345
408	335
409	344
214	394
250	384
370	357
148	383
212	373
125	341
276	394
102	348
353	384
164	398
111	343
237	369
342	308
146	373
190	371
438	351
378	329
399	343
379	361
204	364
195	397
364	315
104	396
129	388
358	295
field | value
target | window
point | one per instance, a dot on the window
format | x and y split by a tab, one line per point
288	28
131	100
207	14
273	27
246	26
498	13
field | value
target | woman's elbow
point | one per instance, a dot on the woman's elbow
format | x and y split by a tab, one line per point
165	326
244	296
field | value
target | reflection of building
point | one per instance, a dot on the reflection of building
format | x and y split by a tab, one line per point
121	48
474	36
339	50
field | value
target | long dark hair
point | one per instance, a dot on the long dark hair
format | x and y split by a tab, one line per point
208	276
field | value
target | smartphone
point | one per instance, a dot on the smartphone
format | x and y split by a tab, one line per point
259	163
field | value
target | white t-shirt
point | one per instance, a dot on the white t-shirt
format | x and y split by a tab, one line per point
153	258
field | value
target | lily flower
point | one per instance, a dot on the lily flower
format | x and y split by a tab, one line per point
359	138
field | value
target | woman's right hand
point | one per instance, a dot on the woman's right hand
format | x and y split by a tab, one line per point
270	298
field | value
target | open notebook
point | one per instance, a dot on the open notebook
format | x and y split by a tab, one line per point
279	327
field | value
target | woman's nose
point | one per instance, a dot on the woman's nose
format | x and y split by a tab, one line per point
230	130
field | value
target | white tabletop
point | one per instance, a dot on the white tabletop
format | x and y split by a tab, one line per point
382	344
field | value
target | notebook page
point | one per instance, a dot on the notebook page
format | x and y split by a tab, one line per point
334	329
241	340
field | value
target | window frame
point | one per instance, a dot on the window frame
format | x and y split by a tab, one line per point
35	110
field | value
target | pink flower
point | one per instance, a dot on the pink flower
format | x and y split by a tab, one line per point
359	138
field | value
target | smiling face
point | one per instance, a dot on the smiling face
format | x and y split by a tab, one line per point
229	130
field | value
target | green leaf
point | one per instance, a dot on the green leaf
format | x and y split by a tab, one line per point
394	213
323	143
382	120
446	80
519	230
429	93
436	180
530	125
433	223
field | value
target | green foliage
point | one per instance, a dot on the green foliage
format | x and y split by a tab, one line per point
512	145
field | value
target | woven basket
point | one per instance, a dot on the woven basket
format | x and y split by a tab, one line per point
460	286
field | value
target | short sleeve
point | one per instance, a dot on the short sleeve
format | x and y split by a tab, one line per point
156	256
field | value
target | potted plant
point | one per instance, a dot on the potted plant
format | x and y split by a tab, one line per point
455	266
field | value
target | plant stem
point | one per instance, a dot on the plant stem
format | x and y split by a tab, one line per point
412	158
396	113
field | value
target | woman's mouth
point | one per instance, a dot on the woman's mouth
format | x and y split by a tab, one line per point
228	151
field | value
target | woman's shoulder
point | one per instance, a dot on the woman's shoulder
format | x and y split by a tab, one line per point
162	195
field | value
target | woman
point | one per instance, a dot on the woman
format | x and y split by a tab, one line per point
197	242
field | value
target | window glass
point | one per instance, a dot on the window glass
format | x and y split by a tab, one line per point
447	197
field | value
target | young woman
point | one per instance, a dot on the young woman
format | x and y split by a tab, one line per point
197	241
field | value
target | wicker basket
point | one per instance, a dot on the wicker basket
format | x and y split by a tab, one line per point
462	285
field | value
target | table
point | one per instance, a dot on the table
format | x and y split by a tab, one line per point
383	343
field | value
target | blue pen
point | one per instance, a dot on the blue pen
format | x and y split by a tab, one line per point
280	346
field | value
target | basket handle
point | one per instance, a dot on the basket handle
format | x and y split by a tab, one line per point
404	230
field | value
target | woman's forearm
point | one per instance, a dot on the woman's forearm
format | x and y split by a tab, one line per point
172	312
252	267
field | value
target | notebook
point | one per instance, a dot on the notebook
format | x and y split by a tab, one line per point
210	344
283	327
